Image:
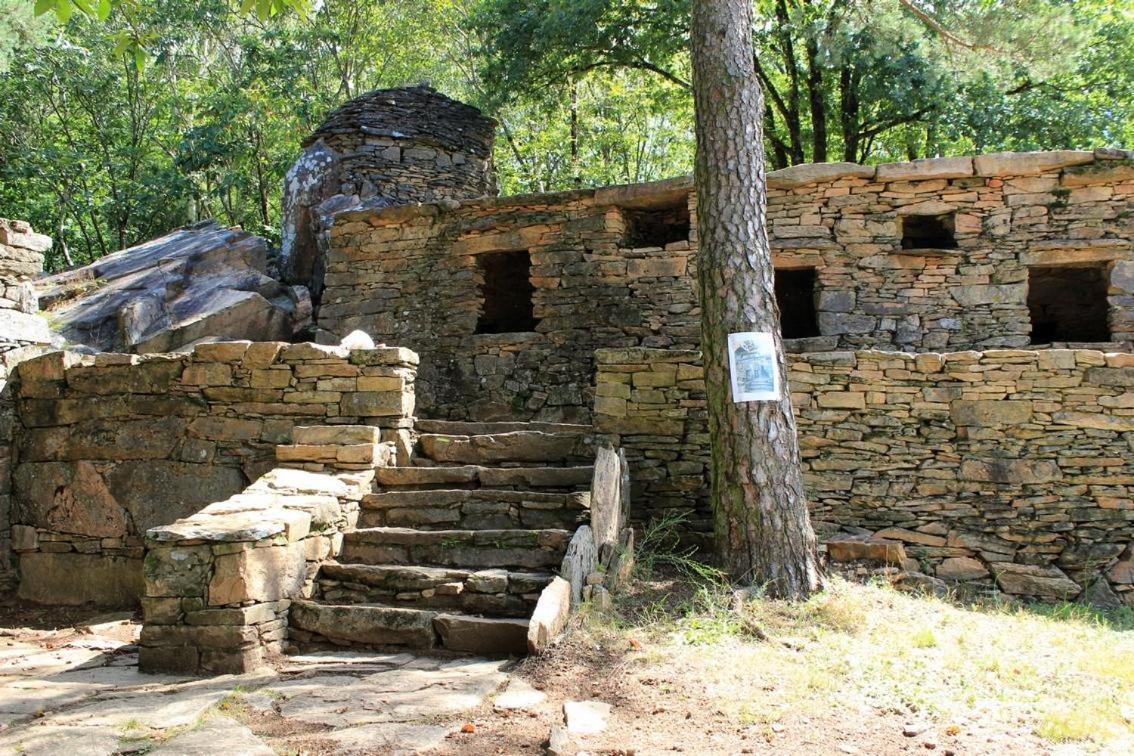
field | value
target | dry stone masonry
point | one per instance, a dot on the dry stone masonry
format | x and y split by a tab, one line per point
23	335
260	496
219	584
1003	469
111	445
386	147
997	251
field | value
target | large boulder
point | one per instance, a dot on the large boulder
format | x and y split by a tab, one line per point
200	283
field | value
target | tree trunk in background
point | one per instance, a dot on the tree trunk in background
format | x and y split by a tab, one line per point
763	531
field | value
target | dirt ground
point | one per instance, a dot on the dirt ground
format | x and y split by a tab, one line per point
680	675
664	708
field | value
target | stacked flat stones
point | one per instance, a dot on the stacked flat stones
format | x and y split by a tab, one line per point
110	445
1002	470
410	144
409	275
23	335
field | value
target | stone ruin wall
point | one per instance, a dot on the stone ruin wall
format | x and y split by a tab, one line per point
1002	469
410	274
23	335
110	445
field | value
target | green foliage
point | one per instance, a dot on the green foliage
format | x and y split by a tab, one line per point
862	80
122	119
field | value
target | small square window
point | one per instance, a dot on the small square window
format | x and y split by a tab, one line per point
656	227
795	296
1068	304
928	232
506	293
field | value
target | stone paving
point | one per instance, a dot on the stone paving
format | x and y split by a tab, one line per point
80	693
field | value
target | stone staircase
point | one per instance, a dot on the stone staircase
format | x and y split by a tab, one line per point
452	549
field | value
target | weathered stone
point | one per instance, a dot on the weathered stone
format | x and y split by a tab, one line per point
519	695
1028	163
1034	580
550	615
986	413
586	717
961	568
204	281
852	549
260	574
930	168
483	636
73	579
375	625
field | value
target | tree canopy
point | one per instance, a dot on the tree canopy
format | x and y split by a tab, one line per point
121	119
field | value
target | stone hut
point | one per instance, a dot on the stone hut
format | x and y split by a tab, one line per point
386	147
506	300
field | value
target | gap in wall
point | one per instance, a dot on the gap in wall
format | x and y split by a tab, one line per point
1068	304
656	227
506	293
795	295
929	231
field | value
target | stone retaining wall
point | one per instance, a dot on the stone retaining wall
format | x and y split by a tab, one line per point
110	445
414	274
23	335
219	584
1003	469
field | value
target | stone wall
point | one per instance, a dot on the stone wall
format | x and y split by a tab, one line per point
1005	469
219	584
110	445
410	274
23	335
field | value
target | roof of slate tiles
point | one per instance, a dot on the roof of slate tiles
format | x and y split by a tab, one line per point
417	114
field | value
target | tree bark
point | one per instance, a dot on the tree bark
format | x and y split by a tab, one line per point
763	532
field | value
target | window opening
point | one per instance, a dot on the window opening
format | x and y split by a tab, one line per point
1068	303
929	232
795	295
506	293
656	227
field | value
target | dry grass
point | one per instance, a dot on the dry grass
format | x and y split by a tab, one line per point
1064	674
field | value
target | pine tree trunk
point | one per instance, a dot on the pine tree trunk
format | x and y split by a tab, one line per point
763	533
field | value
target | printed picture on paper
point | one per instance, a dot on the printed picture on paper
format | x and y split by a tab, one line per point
752	363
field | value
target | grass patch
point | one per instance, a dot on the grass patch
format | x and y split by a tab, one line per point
1063	673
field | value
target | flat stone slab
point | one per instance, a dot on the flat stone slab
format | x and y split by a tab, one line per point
586	717
216	735
90	703
520	695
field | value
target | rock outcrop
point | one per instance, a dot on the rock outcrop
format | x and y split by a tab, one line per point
200	283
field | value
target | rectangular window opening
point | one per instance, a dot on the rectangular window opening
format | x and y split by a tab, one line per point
1068	304
929	231
656	227
795	296
506	293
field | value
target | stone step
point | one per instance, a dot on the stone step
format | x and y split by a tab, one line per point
474	509
380	625
513	446
477	476
528	549
496	592
462	428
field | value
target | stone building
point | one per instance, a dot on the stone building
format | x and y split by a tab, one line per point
962	377
507	299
